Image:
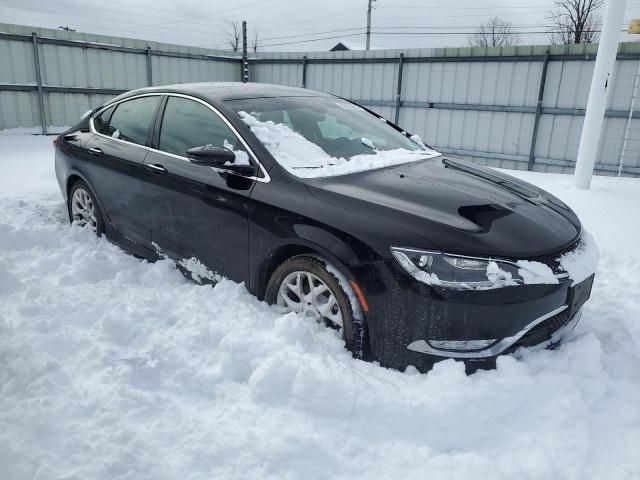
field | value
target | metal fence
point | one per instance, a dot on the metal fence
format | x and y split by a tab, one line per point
50	77
518	107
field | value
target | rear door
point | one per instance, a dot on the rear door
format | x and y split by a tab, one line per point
197	211
115	164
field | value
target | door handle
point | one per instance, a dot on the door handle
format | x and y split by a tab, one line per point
156	168
95	151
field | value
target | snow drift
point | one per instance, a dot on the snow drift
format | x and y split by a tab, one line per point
114	368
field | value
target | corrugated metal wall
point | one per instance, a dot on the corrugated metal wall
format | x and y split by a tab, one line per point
91	69
475	103
480	103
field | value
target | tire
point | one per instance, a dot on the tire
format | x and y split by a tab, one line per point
352	328
83	209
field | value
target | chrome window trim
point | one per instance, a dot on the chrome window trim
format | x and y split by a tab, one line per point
265	178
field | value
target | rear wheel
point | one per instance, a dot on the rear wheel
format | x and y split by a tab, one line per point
303	285
83	209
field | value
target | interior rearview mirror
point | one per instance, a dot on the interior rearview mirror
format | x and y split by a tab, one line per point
211	156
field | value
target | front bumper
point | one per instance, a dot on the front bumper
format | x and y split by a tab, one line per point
411	323
551	334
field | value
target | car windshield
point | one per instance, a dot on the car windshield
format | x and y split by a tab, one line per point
325	136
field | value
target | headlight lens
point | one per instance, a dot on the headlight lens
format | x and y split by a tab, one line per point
456	271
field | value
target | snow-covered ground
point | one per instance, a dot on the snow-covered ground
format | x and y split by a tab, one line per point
114	368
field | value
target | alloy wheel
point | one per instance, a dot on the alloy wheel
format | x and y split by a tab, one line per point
305	293
83	211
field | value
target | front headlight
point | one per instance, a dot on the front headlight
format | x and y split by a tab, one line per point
458	271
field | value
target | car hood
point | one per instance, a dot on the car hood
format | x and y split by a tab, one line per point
457	206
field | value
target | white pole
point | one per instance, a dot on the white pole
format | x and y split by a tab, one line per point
602	77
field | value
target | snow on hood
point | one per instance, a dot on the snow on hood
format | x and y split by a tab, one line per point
305	159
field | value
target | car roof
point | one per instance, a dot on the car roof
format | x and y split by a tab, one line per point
223	91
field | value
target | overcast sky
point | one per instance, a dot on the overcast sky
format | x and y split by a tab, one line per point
281	22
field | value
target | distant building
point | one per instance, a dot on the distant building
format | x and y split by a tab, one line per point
339	47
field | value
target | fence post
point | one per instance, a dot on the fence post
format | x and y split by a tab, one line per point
36	62
304	71
149	71
629	118
399	88
536	120
245	62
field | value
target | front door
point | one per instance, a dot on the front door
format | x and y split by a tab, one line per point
197	211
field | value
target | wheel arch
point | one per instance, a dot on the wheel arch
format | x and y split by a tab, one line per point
288	250
72	179
75	176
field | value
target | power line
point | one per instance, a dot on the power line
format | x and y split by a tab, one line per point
313	40
445	33
446	7
307	34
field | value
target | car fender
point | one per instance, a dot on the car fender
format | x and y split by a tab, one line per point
76	172
339	257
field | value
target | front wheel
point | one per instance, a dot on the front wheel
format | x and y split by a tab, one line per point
303	285
83	209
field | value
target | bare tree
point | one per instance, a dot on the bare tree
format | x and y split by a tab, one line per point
234	29
494	33
255	41
575	21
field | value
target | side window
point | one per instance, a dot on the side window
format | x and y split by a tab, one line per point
101	122
131	120
187	124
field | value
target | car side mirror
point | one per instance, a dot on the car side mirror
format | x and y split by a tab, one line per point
211	156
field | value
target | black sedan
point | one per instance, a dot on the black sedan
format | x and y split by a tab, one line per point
329	210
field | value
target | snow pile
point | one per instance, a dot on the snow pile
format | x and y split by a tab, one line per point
582	262
499	277
418	139
305	159
536	272
114	368
579	264
365	141
348	289
242	157
198	271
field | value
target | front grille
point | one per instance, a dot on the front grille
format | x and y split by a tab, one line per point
551	260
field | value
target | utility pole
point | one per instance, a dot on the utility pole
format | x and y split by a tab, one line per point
600	82
245	63
369	25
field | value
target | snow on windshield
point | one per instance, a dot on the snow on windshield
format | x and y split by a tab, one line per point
304	158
